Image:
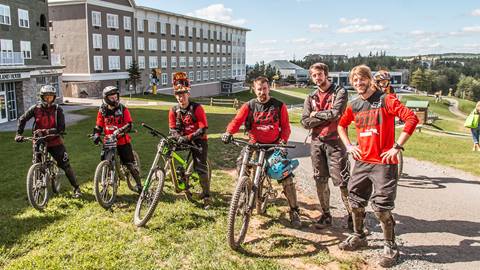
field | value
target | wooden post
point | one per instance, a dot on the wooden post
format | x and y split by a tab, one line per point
211	101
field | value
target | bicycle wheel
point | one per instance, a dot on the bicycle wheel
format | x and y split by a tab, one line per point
55	179
400	164
104	185
239	214
262	198
37	189
195	189
128	177
149	198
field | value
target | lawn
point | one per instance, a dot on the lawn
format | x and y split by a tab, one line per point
297	92
466	106
79	234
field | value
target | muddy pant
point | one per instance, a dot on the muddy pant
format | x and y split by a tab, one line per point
288	183
59	153
330	160
200	165
125	152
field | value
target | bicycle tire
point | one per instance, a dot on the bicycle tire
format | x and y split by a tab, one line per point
150	194
37	192
101	185
239	201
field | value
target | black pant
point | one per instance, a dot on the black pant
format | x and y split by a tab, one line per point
200	165
60	155
330	159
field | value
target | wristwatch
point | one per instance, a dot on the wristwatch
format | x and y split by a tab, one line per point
398	146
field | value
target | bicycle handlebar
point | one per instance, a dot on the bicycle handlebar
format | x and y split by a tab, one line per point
42	137
157	133
261	145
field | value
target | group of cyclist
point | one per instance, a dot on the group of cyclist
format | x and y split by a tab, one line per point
326	114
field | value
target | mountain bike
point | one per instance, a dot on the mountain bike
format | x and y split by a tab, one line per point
167	161
42	174
253	191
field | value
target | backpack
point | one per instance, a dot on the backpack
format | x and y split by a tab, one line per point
118	111
251	106
192	107
39	106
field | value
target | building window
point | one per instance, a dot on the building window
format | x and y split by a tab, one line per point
199	61
152	27
128	43
127	23
212	74
173	29
205	47
190	61
113	42
163	45
140	26
97	41
219	74
218	61
198	46
212	48
26	49
112	21
173	61
205	61
205	75
43	21
128	62
153	62
164	79
190	31
152	44
181	46
5	15
173	45
212	61
44	51
163	29
183	61
199	76
164	61
114	62
181	30
97	62
190	46
141	62
23	20
191	76
96	18
197	32
141	44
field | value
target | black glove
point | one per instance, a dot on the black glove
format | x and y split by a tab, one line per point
227	137
19	138
183	139
96	139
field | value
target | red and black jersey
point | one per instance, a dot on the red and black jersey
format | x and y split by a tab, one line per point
375	123
50	118
268	122
188	121
110	120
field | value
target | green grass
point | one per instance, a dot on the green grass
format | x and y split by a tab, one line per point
297	92
79	234
466	106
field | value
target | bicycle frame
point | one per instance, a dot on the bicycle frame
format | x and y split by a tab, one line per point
260	166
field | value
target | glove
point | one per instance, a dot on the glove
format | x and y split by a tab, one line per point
96	139
18	138
183	139
116	132
283	151
227	137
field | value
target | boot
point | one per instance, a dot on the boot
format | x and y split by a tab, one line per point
390	254
294	214
353	242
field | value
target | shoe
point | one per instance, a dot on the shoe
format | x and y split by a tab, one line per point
324	221
294	214
77	193
353	242
390	255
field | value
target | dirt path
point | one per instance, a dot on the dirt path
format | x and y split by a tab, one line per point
453	108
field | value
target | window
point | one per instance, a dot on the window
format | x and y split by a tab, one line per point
141	44
198	46
173	45
190	31
218	61
152	27
128	43
164	61
163	28
181	46
183	61
112	21
224	50
5	15
218	48
199	76
141	62
113	42
114	62
140	26
97	62
173	61
212	61
224	61
23	20
205	75
205	61
212	48
181	31
127	23
96	18
153	62
6	45
97	41
199	61
205	47
26	49
219	74
173	29
164	79
190	61
190	46
128	61
152	44
212	74
191	76
163	45
197	33
220	36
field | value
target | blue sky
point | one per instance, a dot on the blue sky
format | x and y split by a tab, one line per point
285	29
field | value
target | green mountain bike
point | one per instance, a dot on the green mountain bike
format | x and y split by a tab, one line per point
168	161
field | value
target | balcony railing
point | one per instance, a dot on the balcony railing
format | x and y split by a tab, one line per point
11	59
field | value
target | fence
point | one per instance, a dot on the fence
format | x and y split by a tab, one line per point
234	103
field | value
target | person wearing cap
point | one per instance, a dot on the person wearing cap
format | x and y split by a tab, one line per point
187	122
49	119
113	118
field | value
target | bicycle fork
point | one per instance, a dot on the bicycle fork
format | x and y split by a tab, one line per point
256	181
154	167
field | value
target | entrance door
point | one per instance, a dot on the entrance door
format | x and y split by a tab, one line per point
3	108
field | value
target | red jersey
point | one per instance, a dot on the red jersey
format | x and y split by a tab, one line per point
269	123
44	118
375	123
110	120
322	101
187	121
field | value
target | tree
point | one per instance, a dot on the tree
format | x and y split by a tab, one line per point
290	79
134	76
468	88
417	79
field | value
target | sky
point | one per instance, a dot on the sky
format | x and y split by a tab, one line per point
291	29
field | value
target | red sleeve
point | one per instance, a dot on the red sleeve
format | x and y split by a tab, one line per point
201	117
100	121
395	107
238	120
127	117
347	117
172	121
284	124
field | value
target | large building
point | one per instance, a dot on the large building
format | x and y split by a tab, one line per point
287	68
99	39
26	63
341	77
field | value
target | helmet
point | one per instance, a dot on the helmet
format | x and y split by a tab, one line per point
383	75
47	90
108	91
181	83
279	167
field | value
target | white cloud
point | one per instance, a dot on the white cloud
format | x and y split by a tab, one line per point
268	41
346	21
301	41
417	33
472	45
471	29
317	27
362	28
476	12
218	13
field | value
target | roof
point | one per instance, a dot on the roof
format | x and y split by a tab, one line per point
417	104
284	64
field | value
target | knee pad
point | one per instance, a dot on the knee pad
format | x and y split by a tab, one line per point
384	217
322	179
